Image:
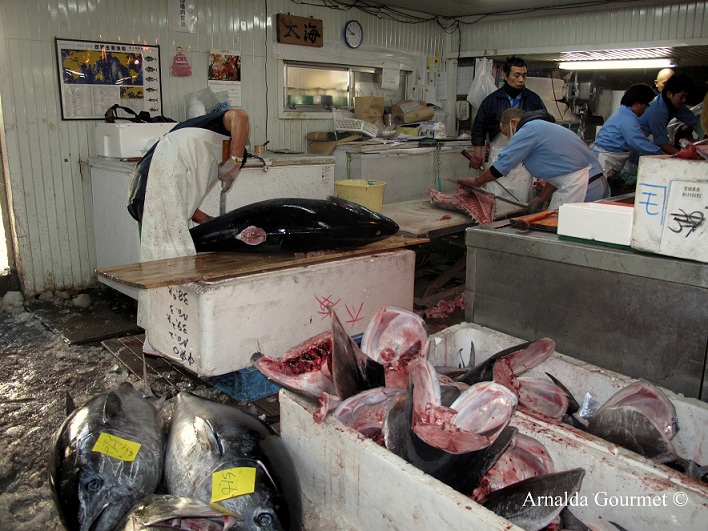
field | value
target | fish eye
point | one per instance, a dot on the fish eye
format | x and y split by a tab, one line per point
264	519
94	485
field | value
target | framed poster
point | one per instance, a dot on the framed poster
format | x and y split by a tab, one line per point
93	76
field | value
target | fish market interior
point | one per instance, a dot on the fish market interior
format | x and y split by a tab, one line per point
354	265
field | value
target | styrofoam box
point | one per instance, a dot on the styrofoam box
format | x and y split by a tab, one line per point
670	205
596	221
127	140
374	489
213	328
630	473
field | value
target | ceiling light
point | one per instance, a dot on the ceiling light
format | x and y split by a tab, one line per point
615	64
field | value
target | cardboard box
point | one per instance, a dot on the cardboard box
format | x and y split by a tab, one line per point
127	140
671	204
602	222
213	328
410	111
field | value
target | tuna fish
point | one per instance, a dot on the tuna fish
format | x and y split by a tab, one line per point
366	411
107	455
294	225
395	337
164	511
218	453
535	502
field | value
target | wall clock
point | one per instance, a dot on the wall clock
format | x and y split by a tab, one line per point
353	34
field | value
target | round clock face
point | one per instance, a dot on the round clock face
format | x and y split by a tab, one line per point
353	34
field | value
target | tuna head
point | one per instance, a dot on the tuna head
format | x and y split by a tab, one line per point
221	454
107	455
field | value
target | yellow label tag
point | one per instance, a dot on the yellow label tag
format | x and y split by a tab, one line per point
113	446
232	482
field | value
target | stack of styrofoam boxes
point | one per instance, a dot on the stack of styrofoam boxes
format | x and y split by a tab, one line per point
127	140
372	488
602	222
671	207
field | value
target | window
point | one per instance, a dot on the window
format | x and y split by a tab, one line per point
319	88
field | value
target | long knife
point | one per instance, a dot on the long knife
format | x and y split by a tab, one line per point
483	191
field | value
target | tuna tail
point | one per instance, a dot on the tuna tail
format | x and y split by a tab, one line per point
523	503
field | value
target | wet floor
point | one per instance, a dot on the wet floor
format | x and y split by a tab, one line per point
38	368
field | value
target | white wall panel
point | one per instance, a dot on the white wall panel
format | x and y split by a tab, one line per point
46	158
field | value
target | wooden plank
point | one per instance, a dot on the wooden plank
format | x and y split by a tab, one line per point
420	218
217	266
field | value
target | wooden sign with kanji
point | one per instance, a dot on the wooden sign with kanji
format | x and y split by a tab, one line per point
303	31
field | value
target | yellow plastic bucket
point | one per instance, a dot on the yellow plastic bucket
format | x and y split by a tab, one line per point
367	193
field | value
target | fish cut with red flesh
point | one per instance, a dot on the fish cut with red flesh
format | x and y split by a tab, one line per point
524	458
651	402
366	411
305	369
520	358
394	337
542	397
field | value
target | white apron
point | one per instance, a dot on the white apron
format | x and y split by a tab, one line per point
611	162
184	168
571	188
517	181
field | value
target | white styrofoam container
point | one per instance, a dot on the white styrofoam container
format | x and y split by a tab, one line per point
670	205
213	328
601	222
127	140
374	489
451	347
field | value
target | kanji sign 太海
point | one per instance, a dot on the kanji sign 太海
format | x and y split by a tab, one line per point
303	31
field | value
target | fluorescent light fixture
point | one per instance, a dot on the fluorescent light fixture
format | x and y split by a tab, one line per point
616	64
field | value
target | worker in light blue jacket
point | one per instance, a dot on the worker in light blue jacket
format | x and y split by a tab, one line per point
663	108
571	172
621	135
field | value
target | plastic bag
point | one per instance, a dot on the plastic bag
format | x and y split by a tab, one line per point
483	82
204	102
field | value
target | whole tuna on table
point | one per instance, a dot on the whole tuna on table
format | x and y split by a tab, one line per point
292	224
217	453
107	455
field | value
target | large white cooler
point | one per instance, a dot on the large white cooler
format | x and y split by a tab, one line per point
371	488
213	328
671	207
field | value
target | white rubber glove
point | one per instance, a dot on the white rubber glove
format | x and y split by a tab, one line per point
228	172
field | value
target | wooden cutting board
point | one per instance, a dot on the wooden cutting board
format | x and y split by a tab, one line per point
218	266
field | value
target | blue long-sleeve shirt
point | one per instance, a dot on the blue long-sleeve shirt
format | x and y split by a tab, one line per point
656	118
622	132
547	150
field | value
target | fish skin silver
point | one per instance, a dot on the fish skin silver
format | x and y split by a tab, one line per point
93	491
206	437
165	511
513	502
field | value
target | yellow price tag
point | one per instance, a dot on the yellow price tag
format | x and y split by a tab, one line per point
232	482
116	447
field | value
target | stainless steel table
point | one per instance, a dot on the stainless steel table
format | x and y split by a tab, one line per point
643	315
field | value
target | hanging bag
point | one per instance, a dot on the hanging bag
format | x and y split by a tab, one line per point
483	82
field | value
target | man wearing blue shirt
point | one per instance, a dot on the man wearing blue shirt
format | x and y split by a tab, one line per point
664	108
513	94
552	153
621	135
683	113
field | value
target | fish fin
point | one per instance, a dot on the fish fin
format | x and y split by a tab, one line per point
207	437
618	526
112	408
573	405
70	406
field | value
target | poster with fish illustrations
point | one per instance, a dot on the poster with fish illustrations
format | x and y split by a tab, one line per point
94	75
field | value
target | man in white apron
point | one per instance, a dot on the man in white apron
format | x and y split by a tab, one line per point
622	135
550	152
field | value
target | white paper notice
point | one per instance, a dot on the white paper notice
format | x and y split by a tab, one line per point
441	85
465	75
182	15
390	78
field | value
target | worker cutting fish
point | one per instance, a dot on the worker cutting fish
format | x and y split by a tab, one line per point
570	171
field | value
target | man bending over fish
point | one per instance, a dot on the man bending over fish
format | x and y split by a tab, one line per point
181	170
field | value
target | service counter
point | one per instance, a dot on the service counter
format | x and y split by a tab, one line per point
642	315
